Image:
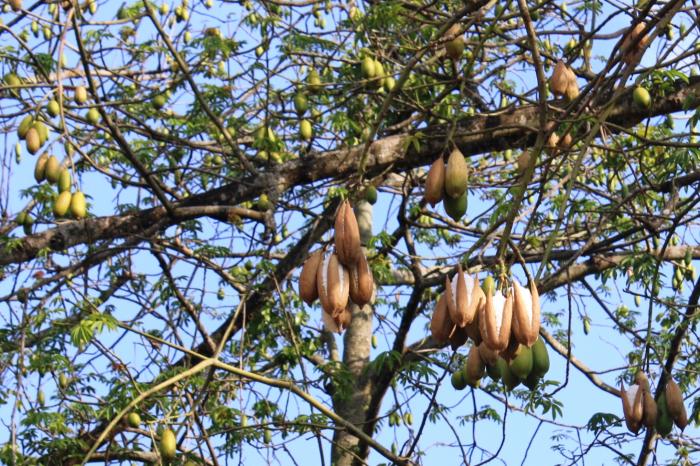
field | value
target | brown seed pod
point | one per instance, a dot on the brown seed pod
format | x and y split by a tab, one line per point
464	297
308	290
650	411
333	285
435	182
347	235
361	282
495	320
640	378
572	90
632	407
674	401
474	368
487	355
565	142
441	326
513	346
559	80
456	174
472	329
526	314
339	323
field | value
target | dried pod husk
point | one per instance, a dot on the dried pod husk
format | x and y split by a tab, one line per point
343	320
472	330
441	326
308	290
463	297
435	182
329	323
572	90
526	314
488	355
347	235
559	80
495	319
649	414
456	174
632	407
565	142
640	378
513	346
458	338
333	285
474	368
361	282
674	401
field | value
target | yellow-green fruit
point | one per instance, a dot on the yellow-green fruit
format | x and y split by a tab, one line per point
168	445
164	8
494	371
40	398
64	180
368	68
510	380
47	32
540	358
24	126
455	208
159	101
33	141
21	218
11	79
531	381
375	342
187	37
313	79
92	6
641	97
305	130
521	366
389	83
664	421
80	95
35	28
28	222
52	170
40	167
18	152
371	194
133	419
301	104
43	131
459	381
378	70
77	205
53	108
264	202
62	204
62	381
267	436
93	116
456	174
455	48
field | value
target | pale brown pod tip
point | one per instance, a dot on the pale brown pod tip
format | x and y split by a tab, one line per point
333	284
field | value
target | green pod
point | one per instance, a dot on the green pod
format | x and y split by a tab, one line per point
521	365
64	180
540	358
62	204
455	208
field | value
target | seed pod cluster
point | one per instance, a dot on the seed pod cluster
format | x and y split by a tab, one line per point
640	408
336	278
563	82
449	184
34	132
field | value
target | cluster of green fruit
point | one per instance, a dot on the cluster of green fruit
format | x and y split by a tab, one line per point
524	365
373	70
48	168
34	132
449	184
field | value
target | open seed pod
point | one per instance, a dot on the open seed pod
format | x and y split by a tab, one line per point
650	412
308	290
333	283
559	80
495	317
441	326
526	313
632	406
347	235
464	297
472	329
674	401
435	182
488	355
361	282
339	323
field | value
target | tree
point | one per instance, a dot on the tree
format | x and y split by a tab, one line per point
157	317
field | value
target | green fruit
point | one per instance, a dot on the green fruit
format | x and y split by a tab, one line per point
159	101
11	79
305	130
301	104
371	194
259	51
52	169
92	6
77	205
374	341
664	421
540	358
80	95
456	174
62	204
168	445
24	126
62	381
455	208
164	8
459	381
488	286
64	180
21	218
43	131
531	381
267	436
264	202
313	80
379	71
494	371
455	48
18	152
33	141
521	365
28	223
368	68
641	97
53	108
389	83
510	380
93	116
40	398
133	419
40	167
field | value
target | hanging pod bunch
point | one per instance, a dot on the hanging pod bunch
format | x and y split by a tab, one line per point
563	81
674	403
